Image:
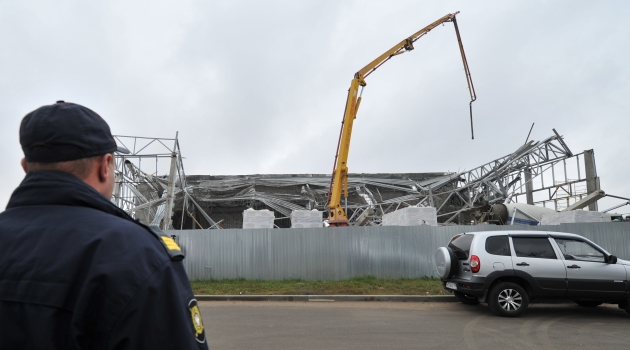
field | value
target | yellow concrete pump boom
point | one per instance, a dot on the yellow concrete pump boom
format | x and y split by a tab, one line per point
339	181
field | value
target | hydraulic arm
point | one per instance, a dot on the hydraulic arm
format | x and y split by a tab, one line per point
339	181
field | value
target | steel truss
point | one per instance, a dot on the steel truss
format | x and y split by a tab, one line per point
151	188
506	179
151	180
503	180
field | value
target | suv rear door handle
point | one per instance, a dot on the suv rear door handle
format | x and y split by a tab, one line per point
573	267
522	264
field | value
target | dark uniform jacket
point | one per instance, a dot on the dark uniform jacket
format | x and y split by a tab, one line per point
77	272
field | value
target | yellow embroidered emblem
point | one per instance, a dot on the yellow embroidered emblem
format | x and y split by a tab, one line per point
197	321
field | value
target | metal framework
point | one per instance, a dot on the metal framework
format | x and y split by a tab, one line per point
518	175
536	169
151	180
151	186
225	197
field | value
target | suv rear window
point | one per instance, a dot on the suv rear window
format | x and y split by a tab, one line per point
498	245
460	245
533	247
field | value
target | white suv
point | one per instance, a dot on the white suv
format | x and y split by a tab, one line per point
507	269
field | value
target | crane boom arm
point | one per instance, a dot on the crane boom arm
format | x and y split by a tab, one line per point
339	181
400	48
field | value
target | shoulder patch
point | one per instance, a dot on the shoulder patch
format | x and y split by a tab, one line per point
173	250
197	322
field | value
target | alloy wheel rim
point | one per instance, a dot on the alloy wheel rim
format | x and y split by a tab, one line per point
510	300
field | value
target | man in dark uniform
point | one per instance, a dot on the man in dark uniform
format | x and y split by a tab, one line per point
77	272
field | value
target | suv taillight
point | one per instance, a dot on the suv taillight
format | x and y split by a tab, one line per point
475	264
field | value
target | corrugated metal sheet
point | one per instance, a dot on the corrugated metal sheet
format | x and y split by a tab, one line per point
341	253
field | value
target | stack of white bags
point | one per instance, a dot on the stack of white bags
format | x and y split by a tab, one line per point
570	217
306	218
258	218
411	216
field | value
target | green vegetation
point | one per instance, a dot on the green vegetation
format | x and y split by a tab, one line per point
355	286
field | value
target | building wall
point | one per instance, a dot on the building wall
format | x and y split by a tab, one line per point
341	253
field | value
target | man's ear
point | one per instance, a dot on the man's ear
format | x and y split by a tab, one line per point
103	167
23	163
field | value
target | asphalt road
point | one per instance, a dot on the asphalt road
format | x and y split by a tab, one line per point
398	325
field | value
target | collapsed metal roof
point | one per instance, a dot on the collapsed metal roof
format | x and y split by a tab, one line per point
158	191
221	197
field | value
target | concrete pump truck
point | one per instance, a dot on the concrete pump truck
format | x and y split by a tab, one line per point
339	181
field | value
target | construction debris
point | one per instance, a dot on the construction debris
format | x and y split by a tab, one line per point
538	178
411	216
224	198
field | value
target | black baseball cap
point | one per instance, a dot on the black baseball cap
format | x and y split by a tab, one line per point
65	131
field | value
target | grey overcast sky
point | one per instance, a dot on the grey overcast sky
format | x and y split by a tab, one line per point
260	86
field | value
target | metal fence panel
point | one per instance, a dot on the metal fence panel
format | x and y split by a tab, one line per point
342	253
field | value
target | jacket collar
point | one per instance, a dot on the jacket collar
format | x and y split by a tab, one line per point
47	187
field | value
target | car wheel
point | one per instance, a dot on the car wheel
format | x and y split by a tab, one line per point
588	303
508	299
466	299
